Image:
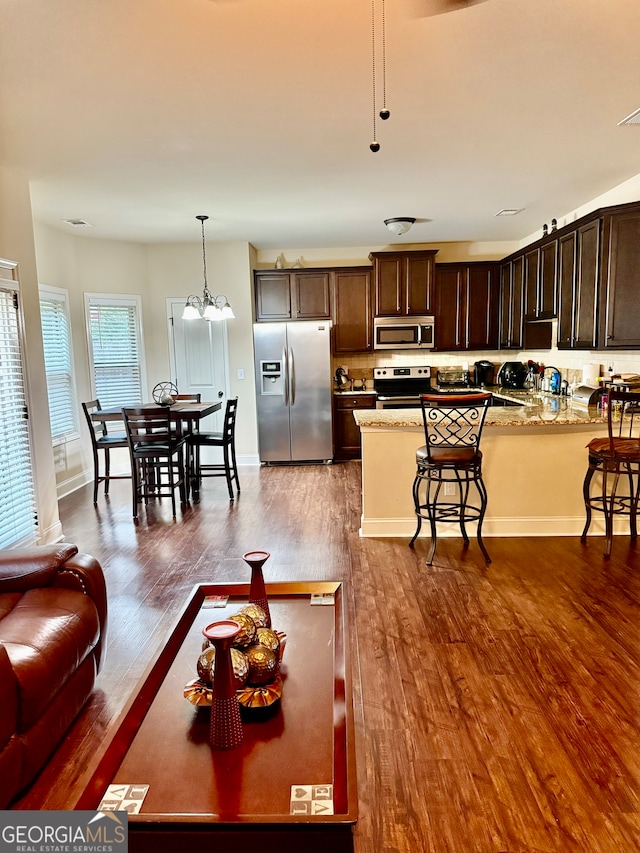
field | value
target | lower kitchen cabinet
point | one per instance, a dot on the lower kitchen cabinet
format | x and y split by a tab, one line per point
346	432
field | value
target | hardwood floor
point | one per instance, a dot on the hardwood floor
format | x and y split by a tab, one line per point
498	706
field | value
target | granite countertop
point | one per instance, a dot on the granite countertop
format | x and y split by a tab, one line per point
536	410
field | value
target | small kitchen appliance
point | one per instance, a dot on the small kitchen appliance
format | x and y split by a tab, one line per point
403	333
450	378
400	387
484	373
512	374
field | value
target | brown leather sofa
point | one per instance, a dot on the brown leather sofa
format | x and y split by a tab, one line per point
53	619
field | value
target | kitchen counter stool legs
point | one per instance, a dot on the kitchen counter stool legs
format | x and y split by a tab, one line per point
451	457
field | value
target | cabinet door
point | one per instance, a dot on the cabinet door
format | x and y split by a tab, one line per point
517	318
585	323
347	439
352	310
389	283
273	296
546	308
312	299
566	285
482	305
450	307
419	283
505	305
531	282
622	317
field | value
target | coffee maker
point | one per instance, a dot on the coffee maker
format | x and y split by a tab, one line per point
484	373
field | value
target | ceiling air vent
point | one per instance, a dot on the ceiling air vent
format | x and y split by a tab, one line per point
78	223
509	211
634	118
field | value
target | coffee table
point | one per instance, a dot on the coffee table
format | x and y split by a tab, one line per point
198	796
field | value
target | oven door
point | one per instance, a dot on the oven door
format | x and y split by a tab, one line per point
383	402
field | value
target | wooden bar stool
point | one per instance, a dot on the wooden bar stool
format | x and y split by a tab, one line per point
612	458
453	427
105	441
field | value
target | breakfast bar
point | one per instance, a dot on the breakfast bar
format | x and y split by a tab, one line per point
534	463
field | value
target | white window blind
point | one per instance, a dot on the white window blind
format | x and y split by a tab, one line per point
58	360
18	519
116	350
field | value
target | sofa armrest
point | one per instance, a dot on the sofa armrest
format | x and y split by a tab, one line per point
83	573
29	568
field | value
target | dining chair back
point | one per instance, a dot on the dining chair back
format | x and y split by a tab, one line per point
451	457
225	440
156	448
102	441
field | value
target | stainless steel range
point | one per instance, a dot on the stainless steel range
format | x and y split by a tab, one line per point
400	387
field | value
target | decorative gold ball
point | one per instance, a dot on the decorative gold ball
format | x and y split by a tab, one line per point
263	665
256	613
268	638
247	633
239	664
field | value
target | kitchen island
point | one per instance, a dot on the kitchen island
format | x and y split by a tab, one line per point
534	463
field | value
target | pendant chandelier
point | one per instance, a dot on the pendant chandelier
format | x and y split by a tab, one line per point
208	307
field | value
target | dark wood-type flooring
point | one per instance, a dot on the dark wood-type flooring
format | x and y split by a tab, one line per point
498	707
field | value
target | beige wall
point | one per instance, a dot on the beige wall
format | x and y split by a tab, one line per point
16	244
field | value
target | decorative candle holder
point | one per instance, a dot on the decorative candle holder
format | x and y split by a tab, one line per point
257	591
225	731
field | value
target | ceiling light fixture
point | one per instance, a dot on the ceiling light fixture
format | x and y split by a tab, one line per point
399	224
209	307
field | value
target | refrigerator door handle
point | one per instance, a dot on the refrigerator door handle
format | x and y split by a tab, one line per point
285	367
292	377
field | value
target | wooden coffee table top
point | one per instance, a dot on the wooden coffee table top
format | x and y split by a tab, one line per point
307	739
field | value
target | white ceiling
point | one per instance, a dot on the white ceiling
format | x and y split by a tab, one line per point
136	115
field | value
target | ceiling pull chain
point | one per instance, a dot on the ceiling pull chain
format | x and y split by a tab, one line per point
375	145
384	112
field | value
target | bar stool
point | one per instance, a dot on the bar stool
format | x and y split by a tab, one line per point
102	440
612	457
453	427
227	441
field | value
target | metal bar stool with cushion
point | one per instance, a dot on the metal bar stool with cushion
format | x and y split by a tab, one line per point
613	457
156	448
227	441
102	439
453	427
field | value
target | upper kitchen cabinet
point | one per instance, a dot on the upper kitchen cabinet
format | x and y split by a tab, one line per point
540	282
578	278
511	298
352	310
292	295
620	270
403	283
466	306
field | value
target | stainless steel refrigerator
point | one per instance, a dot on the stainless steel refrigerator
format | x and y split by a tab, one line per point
293	391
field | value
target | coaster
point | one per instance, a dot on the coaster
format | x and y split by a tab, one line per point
311	800
323	598
214	601
123	798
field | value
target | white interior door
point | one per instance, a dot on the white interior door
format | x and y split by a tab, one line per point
199	360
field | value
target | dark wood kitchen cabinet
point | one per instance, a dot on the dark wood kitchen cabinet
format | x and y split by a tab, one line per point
466	306
346	433
292	295
540	282
352	310
403	283
578	286
511	298
619	313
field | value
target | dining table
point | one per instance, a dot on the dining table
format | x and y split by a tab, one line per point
187	413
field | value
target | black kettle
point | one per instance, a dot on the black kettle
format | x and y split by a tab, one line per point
341	377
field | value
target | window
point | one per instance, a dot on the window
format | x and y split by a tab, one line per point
18	519
115	349
58	361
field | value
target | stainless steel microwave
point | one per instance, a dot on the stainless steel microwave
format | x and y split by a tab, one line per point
403	333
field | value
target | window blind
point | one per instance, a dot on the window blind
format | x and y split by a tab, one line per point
56	339
18	518
116	352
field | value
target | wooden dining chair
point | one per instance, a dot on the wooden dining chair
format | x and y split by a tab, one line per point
156	448
102	441
225	440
